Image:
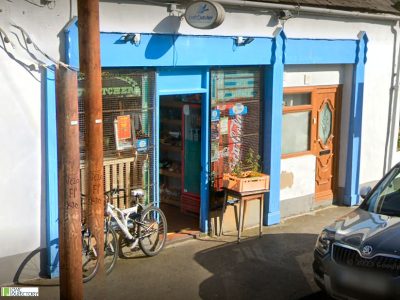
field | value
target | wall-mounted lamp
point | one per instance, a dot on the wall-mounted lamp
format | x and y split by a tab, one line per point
241	41
133	38
284	15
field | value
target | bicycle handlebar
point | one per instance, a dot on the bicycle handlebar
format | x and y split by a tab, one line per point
114	192
110	194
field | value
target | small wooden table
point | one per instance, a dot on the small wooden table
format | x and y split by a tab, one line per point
242	198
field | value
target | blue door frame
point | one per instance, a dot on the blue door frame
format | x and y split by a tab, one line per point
181	81
179	57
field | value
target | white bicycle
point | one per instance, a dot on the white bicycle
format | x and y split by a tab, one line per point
140	224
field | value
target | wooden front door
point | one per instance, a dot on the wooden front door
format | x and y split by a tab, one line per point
326	106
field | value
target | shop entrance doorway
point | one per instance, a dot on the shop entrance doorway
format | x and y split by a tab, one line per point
180	162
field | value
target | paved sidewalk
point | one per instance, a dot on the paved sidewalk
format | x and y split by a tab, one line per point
276	266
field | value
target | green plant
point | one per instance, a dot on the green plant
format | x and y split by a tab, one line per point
237	169
252	161
250	167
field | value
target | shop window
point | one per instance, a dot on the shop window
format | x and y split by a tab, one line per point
128	97
236	120
296	123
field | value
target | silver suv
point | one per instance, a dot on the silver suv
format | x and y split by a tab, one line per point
358	256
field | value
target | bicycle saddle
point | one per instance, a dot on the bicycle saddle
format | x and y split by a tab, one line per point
137	193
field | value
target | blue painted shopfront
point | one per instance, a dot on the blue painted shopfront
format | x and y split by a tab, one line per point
182	64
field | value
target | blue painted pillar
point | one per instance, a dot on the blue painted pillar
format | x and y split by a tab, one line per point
205	154
351	194
51	173
273	128
156	143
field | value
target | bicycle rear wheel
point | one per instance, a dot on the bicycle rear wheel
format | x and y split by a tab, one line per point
90	264
152	231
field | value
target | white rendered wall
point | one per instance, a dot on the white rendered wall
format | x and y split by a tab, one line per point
376	104
299	75
22	111
22	216
20	162
297	177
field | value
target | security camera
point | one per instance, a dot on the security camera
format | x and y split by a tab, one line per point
241	41
285	14
133	38
136	39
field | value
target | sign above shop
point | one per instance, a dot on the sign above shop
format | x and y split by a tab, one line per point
204	14
117	87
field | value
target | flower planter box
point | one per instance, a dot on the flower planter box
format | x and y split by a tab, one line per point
246	184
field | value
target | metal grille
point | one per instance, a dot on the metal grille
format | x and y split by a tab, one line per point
379	263
236	116
128	112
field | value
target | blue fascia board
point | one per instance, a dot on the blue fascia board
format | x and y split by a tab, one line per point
170	50
320	51
221	50
154	50
167	50
164	50
51	173
180	79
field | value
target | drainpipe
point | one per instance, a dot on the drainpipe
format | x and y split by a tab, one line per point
391	139
309	10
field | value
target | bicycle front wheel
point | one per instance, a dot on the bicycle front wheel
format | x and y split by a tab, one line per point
152	231
90	264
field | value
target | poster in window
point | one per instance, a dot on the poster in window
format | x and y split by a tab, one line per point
214	151
122	128
215	131
224	125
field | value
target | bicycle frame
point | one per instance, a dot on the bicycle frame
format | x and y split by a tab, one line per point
123	220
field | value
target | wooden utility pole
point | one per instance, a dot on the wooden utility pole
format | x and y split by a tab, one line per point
90	67
70	240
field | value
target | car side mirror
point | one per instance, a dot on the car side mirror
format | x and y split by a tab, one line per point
364	191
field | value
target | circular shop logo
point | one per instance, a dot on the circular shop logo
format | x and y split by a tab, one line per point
204	14
367	250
